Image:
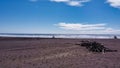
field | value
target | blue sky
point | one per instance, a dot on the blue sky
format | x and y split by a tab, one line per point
60	16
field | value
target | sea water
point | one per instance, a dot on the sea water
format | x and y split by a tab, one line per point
100	36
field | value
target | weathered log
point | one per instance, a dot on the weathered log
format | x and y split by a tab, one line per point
95	46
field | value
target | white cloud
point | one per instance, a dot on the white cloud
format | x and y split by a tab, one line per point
60	0
114	3
87	28
81	26
71	2
33	0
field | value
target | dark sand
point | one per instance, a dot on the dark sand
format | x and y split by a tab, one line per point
56	53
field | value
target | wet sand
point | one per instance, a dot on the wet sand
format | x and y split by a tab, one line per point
56	53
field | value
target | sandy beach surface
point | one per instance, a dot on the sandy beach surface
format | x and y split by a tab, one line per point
56	53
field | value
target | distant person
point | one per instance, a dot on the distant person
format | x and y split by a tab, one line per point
115	37
53	36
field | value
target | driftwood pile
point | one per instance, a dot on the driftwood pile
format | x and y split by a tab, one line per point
95	47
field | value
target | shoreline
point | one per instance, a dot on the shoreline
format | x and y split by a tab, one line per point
47	38
96	36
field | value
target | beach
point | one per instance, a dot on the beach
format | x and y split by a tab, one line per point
56	53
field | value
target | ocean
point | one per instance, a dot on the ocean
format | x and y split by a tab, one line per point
99	36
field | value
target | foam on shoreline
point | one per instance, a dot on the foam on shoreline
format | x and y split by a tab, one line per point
99	36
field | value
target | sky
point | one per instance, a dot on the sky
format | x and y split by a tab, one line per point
60	16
